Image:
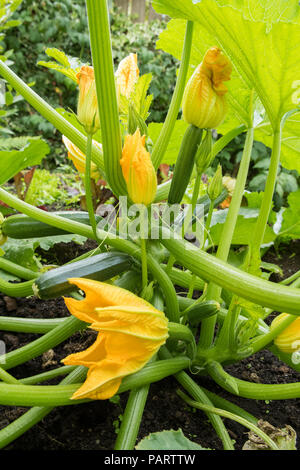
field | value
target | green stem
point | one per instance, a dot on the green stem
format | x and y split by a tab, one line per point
60	395
86	231
262	220
226	138
143	241
164	137
98	18
194	202
220	402
87	184
252	390
170	264
291	279
131	419
183	333
208	267
198	394
234	417
50	114
40	345
260	343
51	374
208	221
17	270
164	188
196	191
29	325
214	291
144	263
25	422
183	278
21	289
186	304
7	378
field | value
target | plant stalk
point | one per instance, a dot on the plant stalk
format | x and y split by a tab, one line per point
162	142
99	28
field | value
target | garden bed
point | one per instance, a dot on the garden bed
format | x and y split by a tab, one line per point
93	426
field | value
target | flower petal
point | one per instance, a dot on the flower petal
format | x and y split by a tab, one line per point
132	321
100	294
102	382
89	356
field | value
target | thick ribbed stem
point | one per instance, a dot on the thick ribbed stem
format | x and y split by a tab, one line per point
162	142
99	28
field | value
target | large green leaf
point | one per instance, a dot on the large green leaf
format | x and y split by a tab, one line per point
290	226
171	153
290	143
244	228
23	252
168	440
11	162
259	37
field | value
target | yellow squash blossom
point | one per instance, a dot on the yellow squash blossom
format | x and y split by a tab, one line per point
78	157
288	341
87	109
127	75
229	184
204	102
130	332
138	170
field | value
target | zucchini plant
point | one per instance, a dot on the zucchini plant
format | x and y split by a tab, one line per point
150	328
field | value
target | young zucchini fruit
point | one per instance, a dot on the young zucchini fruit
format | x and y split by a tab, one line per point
184	164
22	226
102	267
202	310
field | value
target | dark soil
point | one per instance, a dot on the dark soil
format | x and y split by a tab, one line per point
94	426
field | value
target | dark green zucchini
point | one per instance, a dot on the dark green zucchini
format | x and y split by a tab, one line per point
202	310
21	226
184	164
102	267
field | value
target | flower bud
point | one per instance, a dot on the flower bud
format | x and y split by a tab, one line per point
87	109
78	158
288	341
138	170
127	75
204	156
135	121
204	102
216	185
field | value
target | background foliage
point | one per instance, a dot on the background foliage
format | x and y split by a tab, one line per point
63	25
38	25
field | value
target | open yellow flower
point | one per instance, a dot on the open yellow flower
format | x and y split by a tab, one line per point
130	332
204	102
138	170
87	109
288	341
127	75
78	157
